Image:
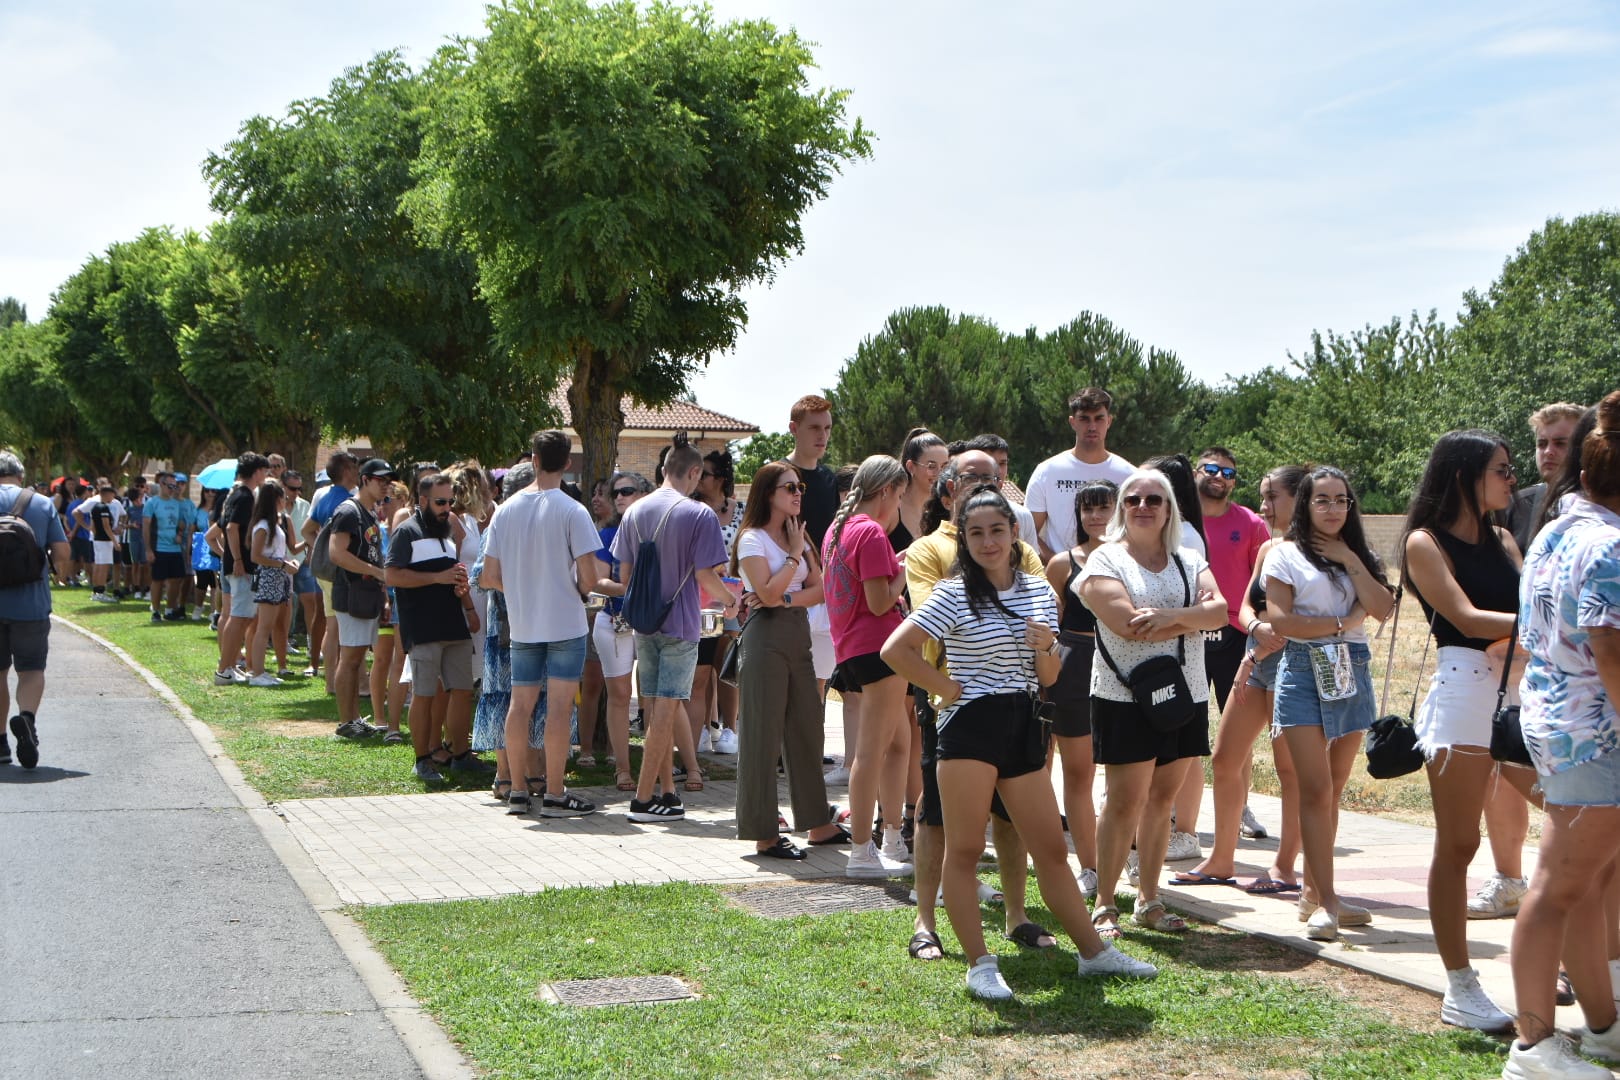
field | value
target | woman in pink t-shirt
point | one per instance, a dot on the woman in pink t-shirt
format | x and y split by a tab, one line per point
864	581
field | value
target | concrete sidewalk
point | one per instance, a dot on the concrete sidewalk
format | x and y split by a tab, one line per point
147	926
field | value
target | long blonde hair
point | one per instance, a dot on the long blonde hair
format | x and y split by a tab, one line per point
467	488
876	474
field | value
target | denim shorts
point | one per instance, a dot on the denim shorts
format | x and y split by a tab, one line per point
1591	783
1264	675
1298	705
535	662
304	581
667	665
240	588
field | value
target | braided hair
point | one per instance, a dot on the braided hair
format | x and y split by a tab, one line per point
875	475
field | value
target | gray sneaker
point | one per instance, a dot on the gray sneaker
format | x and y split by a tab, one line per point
426	772
355	729
1498	898
471	764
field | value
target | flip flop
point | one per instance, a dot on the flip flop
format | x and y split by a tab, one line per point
922	941
1266	885
1194	877
1029	934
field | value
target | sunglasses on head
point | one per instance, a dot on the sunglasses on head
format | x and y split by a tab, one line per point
793	487
624	492
1152	502
1225	472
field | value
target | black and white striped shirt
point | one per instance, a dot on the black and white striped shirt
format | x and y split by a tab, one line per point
986	653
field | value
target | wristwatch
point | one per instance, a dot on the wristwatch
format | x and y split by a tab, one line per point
787	599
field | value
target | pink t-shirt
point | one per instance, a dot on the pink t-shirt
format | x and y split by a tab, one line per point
1234	540
863	552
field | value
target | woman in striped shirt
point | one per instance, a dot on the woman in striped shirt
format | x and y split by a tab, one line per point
997	626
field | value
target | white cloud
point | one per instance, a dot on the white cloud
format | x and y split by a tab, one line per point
1550	41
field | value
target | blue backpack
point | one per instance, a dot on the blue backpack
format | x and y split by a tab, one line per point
645	608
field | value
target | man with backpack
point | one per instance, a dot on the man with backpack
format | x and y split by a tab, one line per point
353	543
29	528
668	544
540	552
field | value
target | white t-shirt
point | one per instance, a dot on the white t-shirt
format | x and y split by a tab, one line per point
1051	491
1026	524
537	535
1317	592
1191	539
986	652
1166	589
758	542
276	546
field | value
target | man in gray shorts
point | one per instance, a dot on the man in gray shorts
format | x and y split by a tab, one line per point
358	595
25	607
436	621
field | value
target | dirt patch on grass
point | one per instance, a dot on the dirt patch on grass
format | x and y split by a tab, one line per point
298	729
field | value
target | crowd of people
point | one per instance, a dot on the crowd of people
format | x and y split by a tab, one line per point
976	636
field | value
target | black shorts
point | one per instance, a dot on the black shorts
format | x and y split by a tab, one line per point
858	671
1121	735
206	579
82	549
707	649
1072	691
121	554
1223	654
167	565
24	644
929	811
1000	730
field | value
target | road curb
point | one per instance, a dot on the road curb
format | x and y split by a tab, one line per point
426	1041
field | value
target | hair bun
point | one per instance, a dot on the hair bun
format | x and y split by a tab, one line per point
680	439
1608	415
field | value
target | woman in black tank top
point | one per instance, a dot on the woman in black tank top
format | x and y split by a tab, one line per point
1071	694
1465	572
1248	714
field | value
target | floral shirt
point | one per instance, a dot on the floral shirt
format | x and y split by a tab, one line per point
1571	583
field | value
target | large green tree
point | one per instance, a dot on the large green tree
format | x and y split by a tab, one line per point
1548	329
12	311
378	329
621	173
37	417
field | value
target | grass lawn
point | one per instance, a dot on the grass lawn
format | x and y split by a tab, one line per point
836	995
281	737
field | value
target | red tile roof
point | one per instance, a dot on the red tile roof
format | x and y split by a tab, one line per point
676	416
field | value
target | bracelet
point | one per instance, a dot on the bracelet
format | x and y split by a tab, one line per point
794	559
1252	624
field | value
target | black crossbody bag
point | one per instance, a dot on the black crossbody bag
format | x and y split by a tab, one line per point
1158	684
1392	748
1507	734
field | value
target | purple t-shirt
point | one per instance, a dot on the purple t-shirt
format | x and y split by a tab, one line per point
689	539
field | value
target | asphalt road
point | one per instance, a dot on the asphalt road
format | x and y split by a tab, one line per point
147	929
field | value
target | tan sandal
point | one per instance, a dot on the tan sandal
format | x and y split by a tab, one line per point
625	781
1106	922
693	783
1155	916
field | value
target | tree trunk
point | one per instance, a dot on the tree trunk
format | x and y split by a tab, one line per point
595	407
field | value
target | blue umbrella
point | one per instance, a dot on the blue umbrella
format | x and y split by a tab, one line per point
221	474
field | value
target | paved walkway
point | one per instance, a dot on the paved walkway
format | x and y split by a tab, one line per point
147	925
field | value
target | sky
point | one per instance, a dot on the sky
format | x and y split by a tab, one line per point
1216	180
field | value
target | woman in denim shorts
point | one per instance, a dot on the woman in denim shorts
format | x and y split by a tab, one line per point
1322	582
1248	714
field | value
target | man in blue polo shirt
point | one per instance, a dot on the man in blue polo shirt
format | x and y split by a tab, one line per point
25	612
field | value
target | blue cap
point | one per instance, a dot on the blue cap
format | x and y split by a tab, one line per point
180	477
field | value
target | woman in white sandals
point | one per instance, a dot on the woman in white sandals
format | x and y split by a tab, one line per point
1153	599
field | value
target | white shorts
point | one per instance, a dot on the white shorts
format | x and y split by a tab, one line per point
1461	700
617	652
353	632
821	653
104	552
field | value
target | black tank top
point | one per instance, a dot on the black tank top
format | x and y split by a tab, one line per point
1257	594
1077	618
1486	576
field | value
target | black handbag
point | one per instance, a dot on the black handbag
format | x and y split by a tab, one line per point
1507	734
1392	748
365	597
1158	684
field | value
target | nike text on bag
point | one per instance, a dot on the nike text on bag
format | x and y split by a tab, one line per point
645	608
22	560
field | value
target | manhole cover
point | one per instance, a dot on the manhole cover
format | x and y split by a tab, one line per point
636	990
821	898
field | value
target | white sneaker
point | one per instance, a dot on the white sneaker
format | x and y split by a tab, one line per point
984	981
1349	914
1498	898
1553	1058
1604	1047
1467	1005
725	742
703	741
1133	871
894	846
1323	926
837	777
1250	826
1113	962
865	861
1087	880
264	678
1183	846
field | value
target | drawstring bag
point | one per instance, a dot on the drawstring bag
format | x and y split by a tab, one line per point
1392	748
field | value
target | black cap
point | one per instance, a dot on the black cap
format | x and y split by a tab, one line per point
377	467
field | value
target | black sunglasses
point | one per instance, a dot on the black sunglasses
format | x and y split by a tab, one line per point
441	502
1225	472
624	491
1152	502
295	490
793	487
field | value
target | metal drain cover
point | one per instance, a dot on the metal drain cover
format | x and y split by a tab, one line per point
820	898
635	990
